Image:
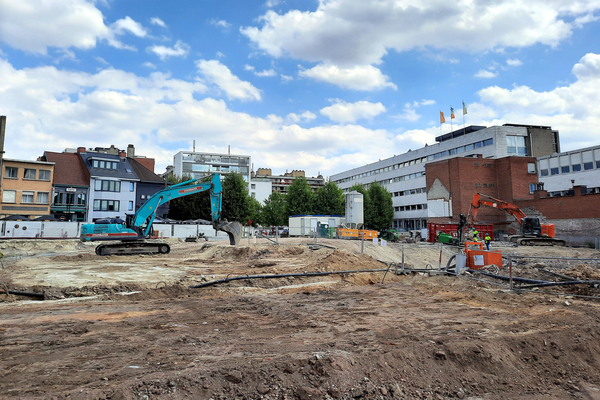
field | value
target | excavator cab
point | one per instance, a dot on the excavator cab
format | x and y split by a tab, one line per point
531	226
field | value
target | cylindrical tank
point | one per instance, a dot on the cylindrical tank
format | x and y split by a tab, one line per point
354	208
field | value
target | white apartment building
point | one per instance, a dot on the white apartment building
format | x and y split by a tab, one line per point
404	175
197	164
560	172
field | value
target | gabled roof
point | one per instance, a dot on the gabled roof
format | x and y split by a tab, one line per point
143	173
68	169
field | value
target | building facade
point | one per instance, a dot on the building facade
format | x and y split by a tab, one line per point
26	188
112	186
281	183
405	177
197	165
561	172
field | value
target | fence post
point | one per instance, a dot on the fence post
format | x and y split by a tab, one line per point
362	243
510	270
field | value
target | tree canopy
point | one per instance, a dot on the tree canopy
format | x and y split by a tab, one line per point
381	213
194	206
300	197
236	201
330	200
274	212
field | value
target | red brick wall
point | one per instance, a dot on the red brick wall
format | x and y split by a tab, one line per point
146	162
568	207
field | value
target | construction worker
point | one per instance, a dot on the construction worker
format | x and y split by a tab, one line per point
475	235
487	239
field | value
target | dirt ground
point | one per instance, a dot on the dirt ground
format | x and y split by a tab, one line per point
130	327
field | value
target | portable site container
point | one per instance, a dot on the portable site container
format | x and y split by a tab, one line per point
452	229
306	225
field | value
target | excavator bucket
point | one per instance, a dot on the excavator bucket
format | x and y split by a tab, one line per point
233	230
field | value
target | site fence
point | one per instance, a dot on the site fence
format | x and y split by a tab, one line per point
72	230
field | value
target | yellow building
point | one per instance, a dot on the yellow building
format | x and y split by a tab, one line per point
26	188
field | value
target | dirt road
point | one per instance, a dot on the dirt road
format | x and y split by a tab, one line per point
130	327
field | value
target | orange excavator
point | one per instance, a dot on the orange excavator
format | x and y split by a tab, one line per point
533	232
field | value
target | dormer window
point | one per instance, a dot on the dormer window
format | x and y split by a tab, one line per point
105	164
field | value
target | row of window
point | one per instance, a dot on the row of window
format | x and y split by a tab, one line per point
205	158
411	207
457	150
28	173
566	169
27	197
64	198
215	168
409	224
110	205
409	192
105	164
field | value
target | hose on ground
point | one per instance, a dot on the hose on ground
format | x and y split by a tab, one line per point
274	276
30	294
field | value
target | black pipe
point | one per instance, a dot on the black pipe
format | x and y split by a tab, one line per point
506	278
30	294
236	278
561	284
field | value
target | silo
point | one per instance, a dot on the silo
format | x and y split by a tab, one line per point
354	210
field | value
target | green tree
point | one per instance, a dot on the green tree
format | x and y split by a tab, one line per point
330	200
194	206
381	212
300	197
274	212
256	211
236	203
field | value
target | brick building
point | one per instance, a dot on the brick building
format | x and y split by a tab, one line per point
452	183
26	188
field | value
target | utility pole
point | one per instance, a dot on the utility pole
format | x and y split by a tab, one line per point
2	133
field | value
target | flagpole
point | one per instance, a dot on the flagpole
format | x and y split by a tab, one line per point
451	118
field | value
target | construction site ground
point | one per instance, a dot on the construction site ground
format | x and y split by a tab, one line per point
130	327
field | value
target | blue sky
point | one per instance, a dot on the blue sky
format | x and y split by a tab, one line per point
322	86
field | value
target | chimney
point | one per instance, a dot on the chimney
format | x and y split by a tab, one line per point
130	151
122	154
81	150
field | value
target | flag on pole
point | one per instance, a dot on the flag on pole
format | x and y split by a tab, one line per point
442	119
464	109
451	113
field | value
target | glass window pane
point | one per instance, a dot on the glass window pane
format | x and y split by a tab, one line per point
576	167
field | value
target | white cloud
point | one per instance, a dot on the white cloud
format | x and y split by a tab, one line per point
349	32
286	78
158	21
571	109
36	25
218	74
263	73
101	60
485	74
365	77
343	112
294	118
149	65
220	23
513	62
53	109
588	67
272	3
409	112
179	50
127	24
66	55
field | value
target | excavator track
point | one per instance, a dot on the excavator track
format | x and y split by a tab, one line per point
133	247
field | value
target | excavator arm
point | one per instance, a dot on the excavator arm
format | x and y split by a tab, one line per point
484	200
142	220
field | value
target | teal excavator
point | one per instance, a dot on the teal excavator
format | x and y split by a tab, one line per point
135	235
